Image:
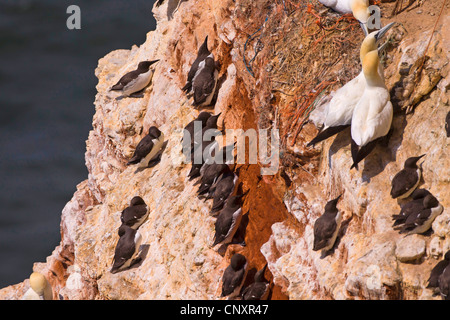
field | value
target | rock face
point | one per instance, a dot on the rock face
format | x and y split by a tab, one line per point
370	259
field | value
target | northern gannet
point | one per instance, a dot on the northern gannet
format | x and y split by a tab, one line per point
372	115
339	111
359	9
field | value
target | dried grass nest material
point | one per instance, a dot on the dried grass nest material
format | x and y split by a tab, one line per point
305	49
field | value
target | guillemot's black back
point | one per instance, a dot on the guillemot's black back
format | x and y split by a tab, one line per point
203	52
223	190
210	175
125	249
420	221
407	179
326	226
146	145
416	204
130	79
135	215
228	220
444	283
259	289
202	145
433	280
204	83
234	275
190	127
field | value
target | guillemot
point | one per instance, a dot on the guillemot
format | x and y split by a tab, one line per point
416	204
447	124
259	289
407	179
444	284
421	220
127	248
210	175
433	280
326	227
228	220
202	53
136	214
202	146
205	82
188	130
148	147
222	191
234	276
136	80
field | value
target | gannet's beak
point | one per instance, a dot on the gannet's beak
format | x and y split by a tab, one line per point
380	34
364	27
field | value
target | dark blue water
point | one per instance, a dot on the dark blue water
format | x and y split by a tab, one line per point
47	90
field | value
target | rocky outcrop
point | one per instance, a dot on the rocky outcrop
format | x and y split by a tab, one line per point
371	260
270	66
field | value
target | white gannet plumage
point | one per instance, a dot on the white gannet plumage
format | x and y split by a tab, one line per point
359	9
372	116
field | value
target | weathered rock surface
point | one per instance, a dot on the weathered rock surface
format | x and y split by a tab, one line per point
410	249
370	259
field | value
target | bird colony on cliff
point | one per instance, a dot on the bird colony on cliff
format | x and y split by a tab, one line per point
363	105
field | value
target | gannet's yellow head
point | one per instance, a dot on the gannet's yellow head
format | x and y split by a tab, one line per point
369	44
38	283
371	40
360	10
